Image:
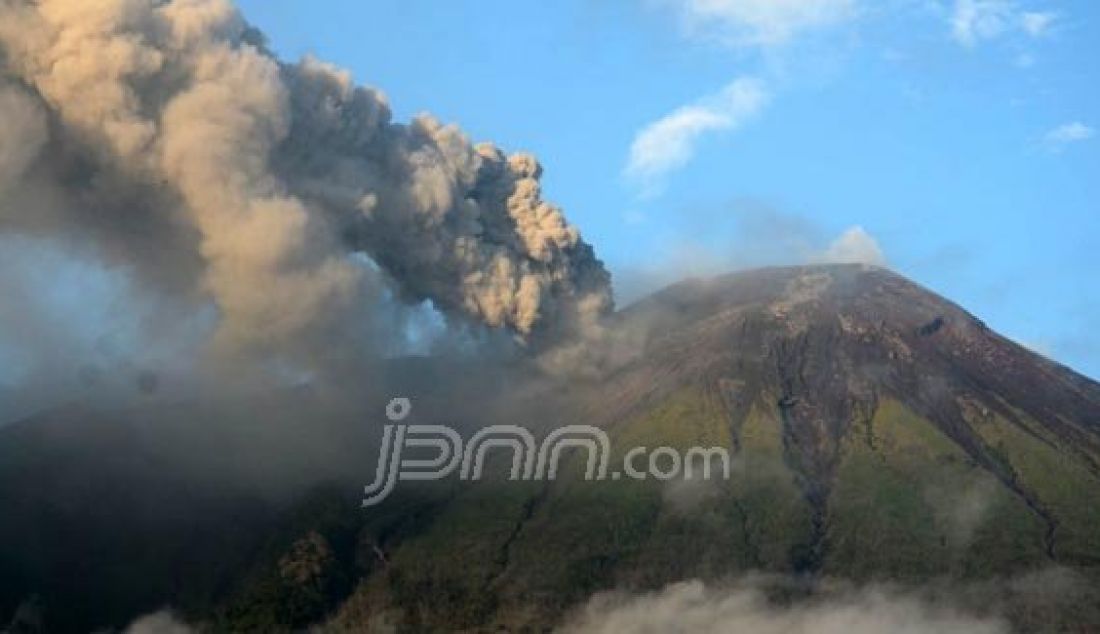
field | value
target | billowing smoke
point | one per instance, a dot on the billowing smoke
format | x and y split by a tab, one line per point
163	137
694	607
1044	600
163	622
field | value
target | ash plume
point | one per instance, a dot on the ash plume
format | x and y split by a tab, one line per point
163	137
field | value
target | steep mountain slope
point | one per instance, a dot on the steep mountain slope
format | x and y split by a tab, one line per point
879	432
858	364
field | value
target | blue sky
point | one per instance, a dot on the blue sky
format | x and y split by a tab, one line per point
696	136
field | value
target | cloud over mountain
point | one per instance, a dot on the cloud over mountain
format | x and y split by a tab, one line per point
670	142
763	23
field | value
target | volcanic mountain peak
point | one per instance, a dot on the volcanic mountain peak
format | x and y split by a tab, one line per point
877	329
835	356
863	298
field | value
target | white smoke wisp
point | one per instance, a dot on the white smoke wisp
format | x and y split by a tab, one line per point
854	246
694	607
167	137
163	622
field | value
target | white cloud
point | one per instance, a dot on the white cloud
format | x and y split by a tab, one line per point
736	236
854	246
693	607
1066	134
975	21
1037	24
763	23
669	143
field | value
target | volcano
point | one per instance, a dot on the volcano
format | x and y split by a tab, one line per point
878	431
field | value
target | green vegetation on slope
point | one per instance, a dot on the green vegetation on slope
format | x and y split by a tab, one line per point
909	503
1062	482
777	517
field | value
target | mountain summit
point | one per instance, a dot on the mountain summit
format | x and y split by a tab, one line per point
853	367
